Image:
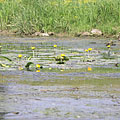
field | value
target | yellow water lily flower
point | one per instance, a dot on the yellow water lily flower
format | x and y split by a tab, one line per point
33	48
62	55
89	49
86	50
19	56
108	46
89	69
37	65
54	46
37	70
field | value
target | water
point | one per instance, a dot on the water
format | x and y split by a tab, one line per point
67	91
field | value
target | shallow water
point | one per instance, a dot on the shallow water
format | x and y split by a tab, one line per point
67	91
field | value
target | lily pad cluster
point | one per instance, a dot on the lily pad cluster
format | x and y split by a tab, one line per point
61	59
37	58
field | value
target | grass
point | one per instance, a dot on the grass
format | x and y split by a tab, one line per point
60	16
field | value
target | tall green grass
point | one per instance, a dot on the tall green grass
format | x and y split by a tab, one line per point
29	16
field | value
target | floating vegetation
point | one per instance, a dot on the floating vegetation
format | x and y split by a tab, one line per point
5	58
48	56
28	65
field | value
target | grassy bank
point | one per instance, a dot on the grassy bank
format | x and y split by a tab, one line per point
70	16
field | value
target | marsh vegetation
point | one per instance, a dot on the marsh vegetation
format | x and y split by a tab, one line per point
60	16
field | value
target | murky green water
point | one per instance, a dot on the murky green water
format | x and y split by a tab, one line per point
59	91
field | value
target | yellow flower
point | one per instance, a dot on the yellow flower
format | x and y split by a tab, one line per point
62	55
33	48
89	69
37	70
20	68
89	49
50	68
108	46
38	65
86	50
61	70
54	46
19	56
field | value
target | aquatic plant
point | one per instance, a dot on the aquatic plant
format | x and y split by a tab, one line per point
89	49
19	56
61	59
23	60
28	65
33	50
54	46
89	69
4	65
20	67
38	66
86	50
108	46
6	58
37	70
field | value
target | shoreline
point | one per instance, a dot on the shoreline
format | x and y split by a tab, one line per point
57	35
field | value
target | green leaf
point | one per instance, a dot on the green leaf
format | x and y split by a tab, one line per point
4	57
28	65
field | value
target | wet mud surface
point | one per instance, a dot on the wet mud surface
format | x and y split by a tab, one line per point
67	91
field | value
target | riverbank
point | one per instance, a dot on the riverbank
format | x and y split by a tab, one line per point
59	35
64	18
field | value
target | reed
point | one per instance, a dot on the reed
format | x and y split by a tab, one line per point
69	16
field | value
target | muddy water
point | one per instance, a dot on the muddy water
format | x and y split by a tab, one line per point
65	92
